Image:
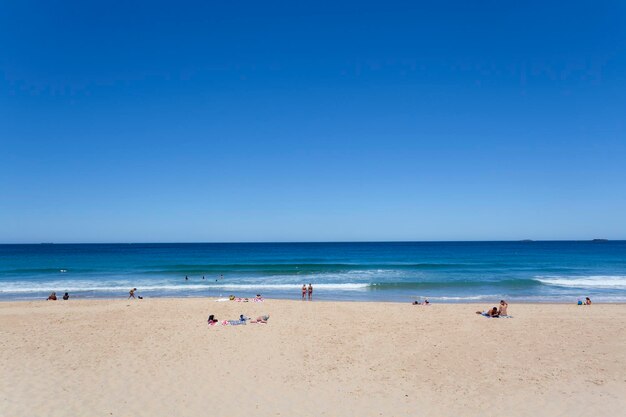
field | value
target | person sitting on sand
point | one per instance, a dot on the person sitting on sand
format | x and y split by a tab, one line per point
212	320
587	301
66	296
131	293
261	319
489	313
52	296
503	306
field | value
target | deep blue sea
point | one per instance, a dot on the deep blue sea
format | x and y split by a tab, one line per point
400	271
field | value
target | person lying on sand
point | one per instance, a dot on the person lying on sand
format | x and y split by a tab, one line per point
503	306
489	313
52	296
261	319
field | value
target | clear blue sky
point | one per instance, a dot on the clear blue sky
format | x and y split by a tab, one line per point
127	121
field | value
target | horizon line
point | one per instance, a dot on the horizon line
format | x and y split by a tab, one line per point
315	242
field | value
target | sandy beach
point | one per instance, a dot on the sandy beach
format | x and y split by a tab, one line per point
158	357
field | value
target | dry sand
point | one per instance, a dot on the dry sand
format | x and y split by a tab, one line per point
158	357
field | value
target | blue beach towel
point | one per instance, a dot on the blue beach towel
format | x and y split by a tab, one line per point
495	317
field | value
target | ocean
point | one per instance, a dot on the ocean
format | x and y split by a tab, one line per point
537	271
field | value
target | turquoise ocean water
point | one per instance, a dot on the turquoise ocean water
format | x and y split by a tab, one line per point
441	271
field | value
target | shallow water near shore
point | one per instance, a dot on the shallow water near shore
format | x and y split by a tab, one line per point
555	271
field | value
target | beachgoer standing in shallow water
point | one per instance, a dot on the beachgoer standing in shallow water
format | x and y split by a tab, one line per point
131	293
186	278
303	291
310	291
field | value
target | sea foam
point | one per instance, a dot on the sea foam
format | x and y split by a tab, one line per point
591	281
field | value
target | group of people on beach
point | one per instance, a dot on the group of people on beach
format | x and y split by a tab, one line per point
495	311
492	312
242	320
258	298
306	291
53	296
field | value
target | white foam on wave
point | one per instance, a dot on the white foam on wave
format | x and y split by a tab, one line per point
591	281
471	297
330	277
13	288
329	286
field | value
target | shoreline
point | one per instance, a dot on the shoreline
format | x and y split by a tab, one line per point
408	301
